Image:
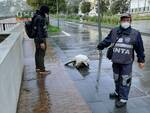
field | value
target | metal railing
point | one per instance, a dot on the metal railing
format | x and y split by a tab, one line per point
6	26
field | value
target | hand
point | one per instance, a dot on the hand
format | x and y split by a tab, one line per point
98	47
42	45
141	65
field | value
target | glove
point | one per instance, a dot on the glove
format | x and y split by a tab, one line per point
99	47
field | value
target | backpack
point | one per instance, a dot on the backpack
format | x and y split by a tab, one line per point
30	28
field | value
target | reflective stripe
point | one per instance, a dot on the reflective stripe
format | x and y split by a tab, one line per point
116	76
125	79
123	45
122	100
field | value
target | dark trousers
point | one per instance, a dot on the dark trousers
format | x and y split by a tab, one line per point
122	78
39	55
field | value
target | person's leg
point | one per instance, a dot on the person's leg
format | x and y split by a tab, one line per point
126	77
37	48
125	83
116	77
41	58
116	80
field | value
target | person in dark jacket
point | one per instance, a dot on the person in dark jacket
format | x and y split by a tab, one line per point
126	40
40	22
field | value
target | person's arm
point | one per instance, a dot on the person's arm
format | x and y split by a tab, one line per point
139	49
105	43
40	30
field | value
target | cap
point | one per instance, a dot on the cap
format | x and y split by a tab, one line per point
126	15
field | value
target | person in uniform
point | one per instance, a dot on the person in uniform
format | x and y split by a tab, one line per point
126	40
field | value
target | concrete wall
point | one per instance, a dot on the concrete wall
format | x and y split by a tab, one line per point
11	68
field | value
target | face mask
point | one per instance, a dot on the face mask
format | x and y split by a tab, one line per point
46	14
125	25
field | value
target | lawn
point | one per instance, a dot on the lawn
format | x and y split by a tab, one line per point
53	29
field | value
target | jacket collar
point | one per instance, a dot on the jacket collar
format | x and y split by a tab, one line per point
124	31
42	14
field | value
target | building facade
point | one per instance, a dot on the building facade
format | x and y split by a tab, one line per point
140	6
135	7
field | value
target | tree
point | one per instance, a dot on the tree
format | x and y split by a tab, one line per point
73	9
85	7
119	6
73	6
104	5
51	3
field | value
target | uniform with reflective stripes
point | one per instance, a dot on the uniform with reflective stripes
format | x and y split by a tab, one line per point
122	59
123	56
123	49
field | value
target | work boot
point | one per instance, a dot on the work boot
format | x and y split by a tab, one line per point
113	95
121	103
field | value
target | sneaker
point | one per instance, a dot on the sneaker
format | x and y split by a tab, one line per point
46	72
121	103
113	95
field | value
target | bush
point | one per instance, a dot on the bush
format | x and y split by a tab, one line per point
112	20
137	17
93	19
108	20
73	17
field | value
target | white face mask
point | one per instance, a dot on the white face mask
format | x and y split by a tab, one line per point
46	14
125	25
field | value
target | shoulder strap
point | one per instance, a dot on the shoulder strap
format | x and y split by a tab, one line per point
116	41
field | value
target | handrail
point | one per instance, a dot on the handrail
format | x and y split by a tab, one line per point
6	26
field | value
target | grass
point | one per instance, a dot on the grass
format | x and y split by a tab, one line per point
53	29
93	20
106	21
136	17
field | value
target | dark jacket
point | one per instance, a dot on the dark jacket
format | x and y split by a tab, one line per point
138	45
40	23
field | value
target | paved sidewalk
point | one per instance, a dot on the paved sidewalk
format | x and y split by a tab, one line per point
55	93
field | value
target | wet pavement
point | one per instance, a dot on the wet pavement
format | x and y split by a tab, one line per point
54	93
34	97
142	25
83	40
68	90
